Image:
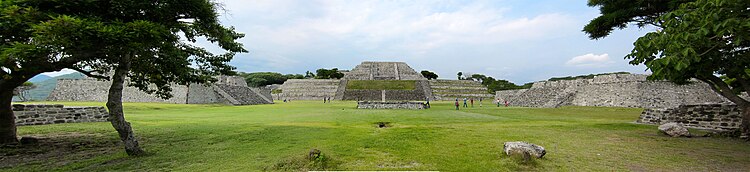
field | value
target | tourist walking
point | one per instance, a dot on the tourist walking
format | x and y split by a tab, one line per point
480	102
472	102
324	99
506	103
456	103
465	105
498	102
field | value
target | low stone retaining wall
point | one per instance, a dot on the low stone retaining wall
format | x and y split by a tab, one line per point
390	105
704	116
54	114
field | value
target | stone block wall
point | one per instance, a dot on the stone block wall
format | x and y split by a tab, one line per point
55	114
390	105
94	90
618	90
233	87
309	89
452	89
383	71
702	116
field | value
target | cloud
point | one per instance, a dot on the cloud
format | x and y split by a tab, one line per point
58	73
590	60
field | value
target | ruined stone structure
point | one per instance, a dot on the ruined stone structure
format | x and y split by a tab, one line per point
618	90
706	116
310	89
227	90
55	114
383	71
390	105
452	89
318	89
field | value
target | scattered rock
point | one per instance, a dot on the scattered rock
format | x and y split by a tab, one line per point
674	129
314	153
524	149
27	140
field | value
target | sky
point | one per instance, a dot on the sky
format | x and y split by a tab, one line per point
516	40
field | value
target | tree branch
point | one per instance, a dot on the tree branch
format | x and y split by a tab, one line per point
744	83
89	74
722	88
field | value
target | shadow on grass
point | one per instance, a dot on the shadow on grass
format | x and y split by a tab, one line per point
56	150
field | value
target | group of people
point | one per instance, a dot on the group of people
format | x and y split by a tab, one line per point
326	99
471	102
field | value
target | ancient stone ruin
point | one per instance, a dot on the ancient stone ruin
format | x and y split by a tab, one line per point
615	90
721	117
317	89
227	90
55	114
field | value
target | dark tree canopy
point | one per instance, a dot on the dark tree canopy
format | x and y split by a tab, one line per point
617	14
257	79
328	74
111	39
429	75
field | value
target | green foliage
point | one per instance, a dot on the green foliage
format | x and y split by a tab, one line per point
699	40
328	74
589	76
381	84
44	36
429	75
619	13
497	85
460	75
257	79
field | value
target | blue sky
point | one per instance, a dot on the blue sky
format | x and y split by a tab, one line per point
516	40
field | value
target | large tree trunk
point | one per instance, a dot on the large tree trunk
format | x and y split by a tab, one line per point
116	114
7	118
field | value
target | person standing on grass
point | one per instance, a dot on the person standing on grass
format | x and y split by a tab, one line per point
465	105
480	102
498	102
472	102
506	103
427	99
456	103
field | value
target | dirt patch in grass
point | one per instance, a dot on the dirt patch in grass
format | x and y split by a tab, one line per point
57	150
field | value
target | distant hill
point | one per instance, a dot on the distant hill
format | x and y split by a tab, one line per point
44	88
39	78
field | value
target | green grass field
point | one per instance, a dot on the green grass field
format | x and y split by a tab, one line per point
277	137
381	84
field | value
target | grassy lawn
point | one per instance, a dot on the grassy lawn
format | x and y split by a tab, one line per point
276	137
381	84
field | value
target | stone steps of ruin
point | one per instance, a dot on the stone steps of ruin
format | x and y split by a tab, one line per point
309	89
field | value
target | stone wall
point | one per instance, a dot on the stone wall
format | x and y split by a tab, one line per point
94	90
390	105
452	89
703	116
618	90
418	94
227	89
55	114
309	89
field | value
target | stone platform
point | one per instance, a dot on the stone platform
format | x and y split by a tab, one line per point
390	105
55	114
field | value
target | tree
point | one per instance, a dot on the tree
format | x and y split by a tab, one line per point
700	40
138	40
258	79
429	75
309	74
477	77
619	13
328	74
22	91
460	75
